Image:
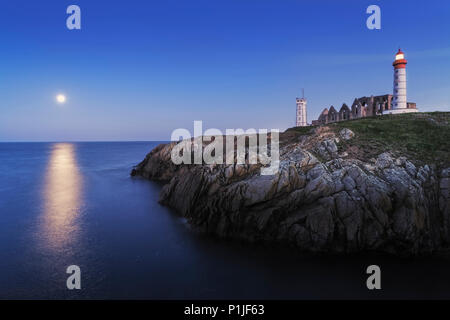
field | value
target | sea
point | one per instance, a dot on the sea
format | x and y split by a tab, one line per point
68	204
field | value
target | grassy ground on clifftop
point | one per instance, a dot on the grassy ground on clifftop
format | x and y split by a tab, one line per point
422	137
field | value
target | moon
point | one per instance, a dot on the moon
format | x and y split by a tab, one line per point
60	98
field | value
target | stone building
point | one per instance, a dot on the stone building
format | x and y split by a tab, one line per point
361	107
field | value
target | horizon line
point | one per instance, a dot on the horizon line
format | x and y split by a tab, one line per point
76	141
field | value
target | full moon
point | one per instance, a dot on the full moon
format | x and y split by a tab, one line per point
60	98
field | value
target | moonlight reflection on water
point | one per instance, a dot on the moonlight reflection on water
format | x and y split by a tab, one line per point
62	198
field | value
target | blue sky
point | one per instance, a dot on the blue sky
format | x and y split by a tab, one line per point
139	69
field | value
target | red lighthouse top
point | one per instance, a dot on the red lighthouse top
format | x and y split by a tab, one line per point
400	61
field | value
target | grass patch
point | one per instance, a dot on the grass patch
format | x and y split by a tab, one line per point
421	137
301	130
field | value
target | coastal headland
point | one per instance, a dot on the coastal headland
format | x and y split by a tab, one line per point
372	184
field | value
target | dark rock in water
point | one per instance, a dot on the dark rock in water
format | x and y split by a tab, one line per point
321	200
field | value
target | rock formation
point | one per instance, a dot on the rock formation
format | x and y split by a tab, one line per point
321	200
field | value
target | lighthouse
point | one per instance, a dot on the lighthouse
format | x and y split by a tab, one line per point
399	103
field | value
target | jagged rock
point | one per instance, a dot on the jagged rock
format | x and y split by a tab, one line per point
384	160
327	149
346	134
318	201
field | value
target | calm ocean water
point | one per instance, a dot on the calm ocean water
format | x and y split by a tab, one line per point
75	203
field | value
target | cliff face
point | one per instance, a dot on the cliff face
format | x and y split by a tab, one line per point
325	198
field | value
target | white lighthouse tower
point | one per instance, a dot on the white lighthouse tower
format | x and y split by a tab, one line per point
301	120
399	102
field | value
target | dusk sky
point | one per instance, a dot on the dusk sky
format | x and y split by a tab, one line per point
137	70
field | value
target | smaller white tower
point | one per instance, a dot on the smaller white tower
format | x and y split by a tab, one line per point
301	119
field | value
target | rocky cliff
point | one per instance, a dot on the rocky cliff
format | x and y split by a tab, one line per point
366	184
